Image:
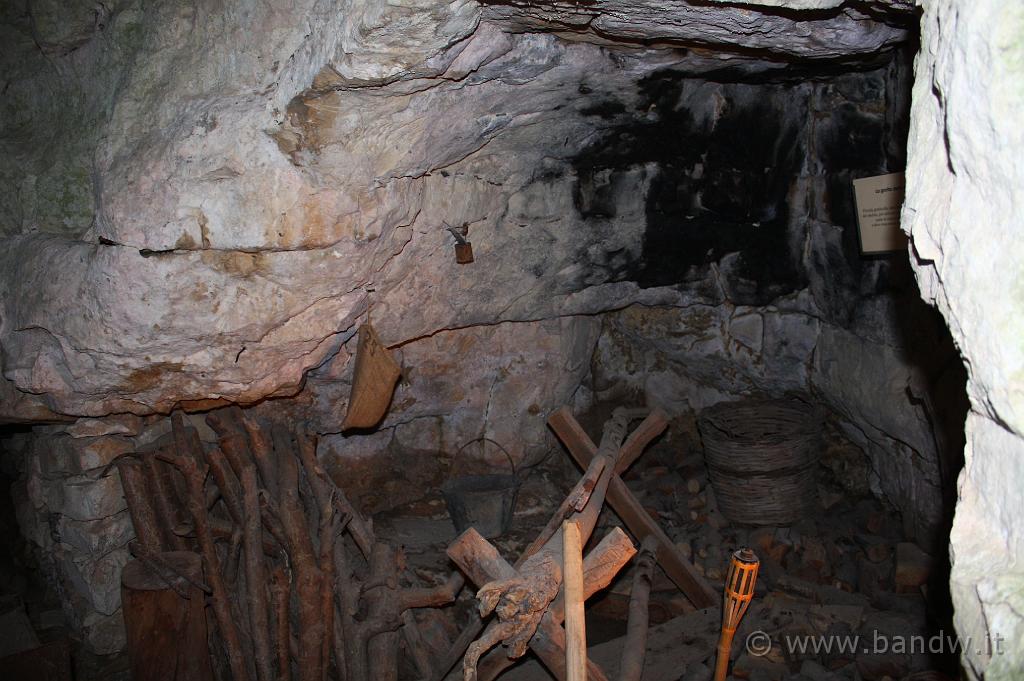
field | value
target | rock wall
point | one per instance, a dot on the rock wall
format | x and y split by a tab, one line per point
223	192
777	296
76	521
227	195
963	213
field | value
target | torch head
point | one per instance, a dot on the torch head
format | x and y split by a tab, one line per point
739	587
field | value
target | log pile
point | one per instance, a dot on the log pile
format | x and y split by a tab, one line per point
297	583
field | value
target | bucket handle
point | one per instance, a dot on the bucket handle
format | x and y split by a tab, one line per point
483	439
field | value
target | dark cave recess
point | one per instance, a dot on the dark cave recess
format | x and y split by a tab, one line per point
742	169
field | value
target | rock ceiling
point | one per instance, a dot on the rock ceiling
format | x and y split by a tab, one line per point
201	206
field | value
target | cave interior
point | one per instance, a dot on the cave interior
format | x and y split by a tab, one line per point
509	233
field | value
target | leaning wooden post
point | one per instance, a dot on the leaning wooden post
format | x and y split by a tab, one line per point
165	623
635	650
575	625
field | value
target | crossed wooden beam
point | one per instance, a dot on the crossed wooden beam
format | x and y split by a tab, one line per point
482	564
626	505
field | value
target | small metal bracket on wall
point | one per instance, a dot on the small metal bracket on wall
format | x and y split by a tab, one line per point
463	249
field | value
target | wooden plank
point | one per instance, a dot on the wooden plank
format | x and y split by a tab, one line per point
622	501
166	633
651	427
575	618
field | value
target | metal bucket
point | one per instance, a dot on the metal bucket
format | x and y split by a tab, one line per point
484	502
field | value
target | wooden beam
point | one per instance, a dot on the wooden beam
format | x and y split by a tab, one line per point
614	451
625	504
482	563
575	617
652	426
600	566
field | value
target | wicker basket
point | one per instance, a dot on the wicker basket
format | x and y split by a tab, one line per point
373	383
761	457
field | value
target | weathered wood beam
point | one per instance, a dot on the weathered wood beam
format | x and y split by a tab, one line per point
594	481
626	505
600	566
482	563
575	616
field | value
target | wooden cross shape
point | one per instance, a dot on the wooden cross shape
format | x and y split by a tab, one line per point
632	512
482	564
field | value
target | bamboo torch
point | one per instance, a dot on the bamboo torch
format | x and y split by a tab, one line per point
739	590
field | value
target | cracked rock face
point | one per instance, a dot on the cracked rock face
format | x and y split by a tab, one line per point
588	177
212	200
200	208
263	185
833	31
962	212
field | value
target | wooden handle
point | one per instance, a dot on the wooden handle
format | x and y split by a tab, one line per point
575	625
724	648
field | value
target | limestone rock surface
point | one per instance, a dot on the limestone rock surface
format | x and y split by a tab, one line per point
200	204
963	215
832	31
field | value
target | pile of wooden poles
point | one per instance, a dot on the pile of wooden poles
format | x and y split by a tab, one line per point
299	587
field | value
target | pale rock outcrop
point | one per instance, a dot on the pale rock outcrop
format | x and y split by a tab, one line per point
268	216
963	213
838	33
75	518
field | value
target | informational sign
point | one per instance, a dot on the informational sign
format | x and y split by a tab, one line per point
879	200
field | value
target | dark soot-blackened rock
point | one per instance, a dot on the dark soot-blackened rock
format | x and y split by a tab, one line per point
720	184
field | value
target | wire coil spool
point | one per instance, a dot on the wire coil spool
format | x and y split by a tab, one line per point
761	457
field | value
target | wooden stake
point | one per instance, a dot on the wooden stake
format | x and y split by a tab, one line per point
305	568
221	599
280	587
138	495
256	576
575	624
162	487
635	650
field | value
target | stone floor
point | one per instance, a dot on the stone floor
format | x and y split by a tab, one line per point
840	596
844	573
